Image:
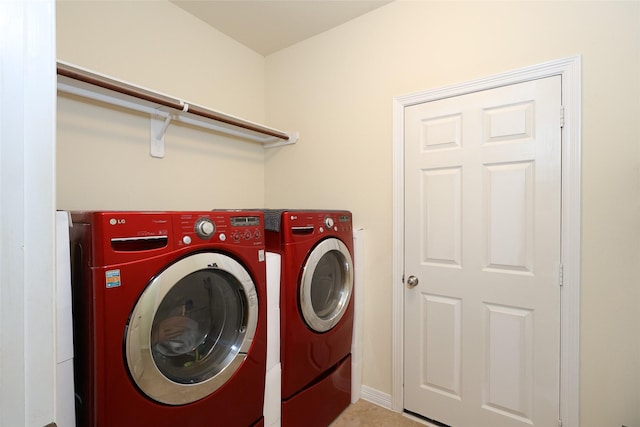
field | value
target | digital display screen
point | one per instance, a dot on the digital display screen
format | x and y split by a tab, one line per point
245	221
344	218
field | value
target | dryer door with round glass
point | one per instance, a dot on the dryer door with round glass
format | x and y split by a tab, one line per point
191	329
326	285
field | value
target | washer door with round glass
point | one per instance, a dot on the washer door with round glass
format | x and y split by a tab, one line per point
191	329
326	285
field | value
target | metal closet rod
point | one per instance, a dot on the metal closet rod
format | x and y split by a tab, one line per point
125	89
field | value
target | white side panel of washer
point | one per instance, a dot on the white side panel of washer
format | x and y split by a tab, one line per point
65	401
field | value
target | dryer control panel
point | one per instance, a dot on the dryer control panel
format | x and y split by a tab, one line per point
302	225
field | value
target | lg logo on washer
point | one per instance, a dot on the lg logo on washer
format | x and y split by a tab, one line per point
114	221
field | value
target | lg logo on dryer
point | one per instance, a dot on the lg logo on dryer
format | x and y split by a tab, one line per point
115	221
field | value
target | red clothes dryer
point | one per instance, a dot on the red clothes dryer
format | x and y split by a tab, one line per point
316	308
169	318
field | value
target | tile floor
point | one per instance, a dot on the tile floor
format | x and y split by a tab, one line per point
367	414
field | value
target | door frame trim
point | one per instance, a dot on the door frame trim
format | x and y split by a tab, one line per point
570	69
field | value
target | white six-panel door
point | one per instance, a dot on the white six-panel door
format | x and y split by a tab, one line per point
482	238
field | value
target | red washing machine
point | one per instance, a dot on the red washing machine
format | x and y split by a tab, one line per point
169	318
316	307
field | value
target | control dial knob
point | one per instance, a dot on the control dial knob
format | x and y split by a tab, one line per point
204	228
328	221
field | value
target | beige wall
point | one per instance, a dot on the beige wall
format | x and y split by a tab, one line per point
103	157
337	90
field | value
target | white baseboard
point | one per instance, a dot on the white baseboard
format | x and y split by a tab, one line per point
375	396
384	400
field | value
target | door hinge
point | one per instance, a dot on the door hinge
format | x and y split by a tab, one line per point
561	275
559	423
561	116
403	278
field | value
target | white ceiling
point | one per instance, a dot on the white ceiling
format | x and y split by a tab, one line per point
267	26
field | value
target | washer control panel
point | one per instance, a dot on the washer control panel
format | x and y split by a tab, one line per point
233	227
128	236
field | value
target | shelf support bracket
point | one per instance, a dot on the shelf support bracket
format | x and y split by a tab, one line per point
159	125
293	138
